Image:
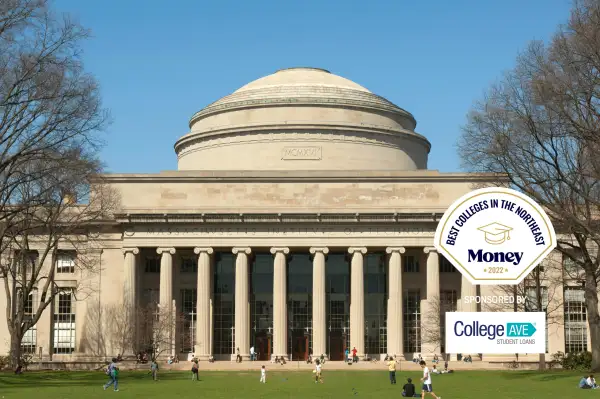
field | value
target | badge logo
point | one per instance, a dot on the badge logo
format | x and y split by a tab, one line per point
495	236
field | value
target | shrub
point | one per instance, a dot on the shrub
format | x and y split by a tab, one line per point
574	361
4	361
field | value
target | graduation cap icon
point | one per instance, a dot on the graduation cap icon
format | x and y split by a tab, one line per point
495	233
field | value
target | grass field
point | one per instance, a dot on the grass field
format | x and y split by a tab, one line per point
294	384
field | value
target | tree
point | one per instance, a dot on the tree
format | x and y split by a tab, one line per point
539	127
433	328
157	326
51	116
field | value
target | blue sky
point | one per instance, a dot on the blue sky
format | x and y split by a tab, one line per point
158	62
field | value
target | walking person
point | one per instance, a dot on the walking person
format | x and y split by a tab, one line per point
263	374
154	369
427	386
113	373
392	370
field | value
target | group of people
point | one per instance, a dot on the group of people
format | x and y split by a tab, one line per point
409	390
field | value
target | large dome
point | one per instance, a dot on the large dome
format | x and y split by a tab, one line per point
302	119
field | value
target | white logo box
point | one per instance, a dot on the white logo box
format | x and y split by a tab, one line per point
496	332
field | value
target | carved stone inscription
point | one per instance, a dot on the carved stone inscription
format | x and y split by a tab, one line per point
301	153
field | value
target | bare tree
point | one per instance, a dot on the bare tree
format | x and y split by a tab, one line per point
50	117
433	328
157	329
540	128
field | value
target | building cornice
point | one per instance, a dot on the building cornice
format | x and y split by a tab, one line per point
417	176
270	218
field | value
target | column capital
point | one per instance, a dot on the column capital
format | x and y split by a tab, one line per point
134	251
391	250
237	250
284	250
314	250
199	250
362	250
160	251
430	249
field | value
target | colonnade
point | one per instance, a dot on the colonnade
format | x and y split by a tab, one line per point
280	330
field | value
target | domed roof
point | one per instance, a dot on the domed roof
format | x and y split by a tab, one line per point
302	118
302	76
303	86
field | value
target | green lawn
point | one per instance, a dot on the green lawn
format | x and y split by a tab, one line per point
292	384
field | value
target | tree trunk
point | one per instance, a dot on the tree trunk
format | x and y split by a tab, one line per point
15	350
591	303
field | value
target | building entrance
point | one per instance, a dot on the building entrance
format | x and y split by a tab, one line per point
263	347
337	346
300	348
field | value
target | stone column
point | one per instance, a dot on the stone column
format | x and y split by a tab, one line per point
242	311
202	349
395	311
166	277
467	289
430	326
166	293
280	302
319	324
129	292
357	301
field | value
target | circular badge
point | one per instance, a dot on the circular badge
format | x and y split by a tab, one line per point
495	236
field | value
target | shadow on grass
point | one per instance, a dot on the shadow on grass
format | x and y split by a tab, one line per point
537	375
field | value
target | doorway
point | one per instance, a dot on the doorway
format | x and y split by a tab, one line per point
336	346
263	347
300	348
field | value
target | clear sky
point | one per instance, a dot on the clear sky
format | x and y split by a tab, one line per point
159	62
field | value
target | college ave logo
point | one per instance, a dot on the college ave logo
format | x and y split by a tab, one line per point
496	332
495	236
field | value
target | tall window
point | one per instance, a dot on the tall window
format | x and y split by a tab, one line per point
412	321
575	320
189	264
29	341
411	264
65	262
375	283
337	287
446	266
64	323
187	333
531	303
28	261
261	304
448	303
152	264
299	305
224	304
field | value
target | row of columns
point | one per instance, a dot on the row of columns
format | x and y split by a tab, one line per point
395	338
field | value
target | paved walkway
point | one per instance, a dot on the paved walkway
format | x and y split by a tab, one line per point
329	365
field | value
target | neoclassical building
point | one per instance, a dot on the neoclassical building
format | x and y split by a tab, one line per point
300	220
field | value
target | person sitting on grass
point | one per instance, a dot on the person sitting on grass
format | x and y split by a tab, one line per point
408	390
591	382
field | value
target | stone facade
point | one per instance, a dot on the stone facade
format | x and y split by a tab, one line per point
301	220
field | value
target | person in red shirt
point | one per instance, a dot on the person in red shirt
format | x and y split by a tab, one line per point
354	358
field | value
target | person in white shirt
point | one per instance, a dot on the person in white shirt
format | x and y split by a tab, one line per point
252	353
318	377
427	386
591	382
263	375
